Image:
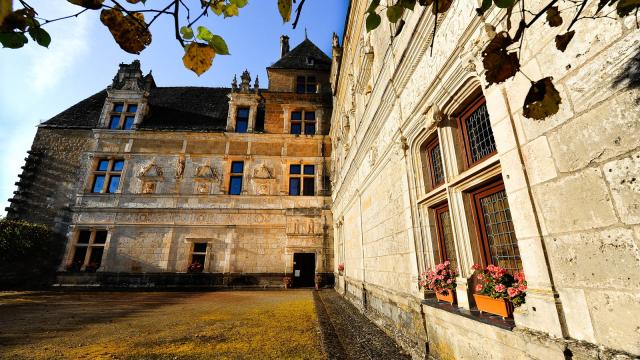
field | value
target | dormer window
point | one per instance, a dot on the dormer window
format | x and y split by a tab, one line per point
122	116
306	85
242	120
310	61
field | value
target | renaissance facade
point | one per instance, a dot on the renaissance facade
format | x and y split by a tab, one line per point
430	163
152	182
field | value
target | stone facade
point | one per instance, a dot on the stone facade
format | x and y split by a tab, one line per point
161	178
570	181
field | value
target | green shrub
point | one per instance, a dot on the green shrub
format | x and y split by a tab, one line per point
29	254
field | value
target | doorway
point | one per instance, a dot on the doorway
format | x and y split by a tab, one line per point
304	269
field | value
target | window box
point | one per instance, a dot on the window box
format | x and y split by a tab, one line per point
446	295
500	307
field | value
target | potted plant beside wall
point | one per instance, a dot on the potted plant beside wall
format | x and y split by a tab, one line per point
287	280
341	269
442	281
497	291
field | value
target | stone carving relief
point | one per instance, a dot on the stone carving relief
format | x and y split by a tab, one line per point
263	179
207	179
207	172
150	175
180	163
262	171
303	226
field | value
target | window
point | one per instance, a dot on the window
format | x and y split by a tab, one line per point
242	120
88	250
477	135
303	122
235	180
106	176
446	243
199	253
434	159
121	119
498	242
302	180
306	85
310	61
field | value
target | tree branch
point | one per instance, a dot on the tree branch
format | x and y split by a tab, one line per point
298	11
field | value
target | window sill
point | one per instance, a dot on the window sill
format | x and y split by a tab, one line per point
493	320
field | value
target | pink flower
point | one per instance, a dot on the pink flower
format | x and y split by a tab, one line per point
513	292
449	281
500	288
480	276
476	267
522	288
479	287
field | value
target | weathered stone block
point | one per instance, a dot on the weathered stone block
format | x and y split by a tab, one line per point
605	131
575	202
623	177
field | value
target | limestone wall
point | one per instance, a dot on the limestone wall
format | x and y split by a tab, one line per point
570	179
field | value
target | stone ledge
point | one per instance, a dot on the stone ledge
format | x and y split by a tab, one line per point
493	320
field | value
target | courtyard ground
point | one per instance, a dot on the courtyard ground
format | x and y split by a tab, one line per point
187	325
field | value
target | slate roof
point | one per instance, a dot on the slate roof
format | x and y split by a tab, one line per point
297	58
170	108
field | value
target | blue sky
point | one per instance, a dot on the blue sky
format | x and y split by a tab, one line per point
38	83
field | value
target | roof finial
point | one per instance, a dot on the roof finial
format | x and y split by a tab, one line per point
305	33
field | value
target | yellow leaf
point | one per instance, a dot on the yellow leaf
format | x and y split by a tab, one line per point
130	32
198	57
284	6
5	9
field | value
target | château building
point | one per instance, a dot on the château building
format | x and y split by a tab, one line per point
148	180
369	168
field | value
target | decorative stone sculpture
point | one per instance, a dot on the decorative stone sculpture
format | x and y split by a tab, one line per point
180	167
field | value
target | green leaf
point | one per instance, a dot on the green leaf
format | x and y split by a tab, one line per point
13	40
504	4
284	6
394	13
218	8
204	34
486	4
239	3
626	7
219	45
187	32
40	35
407	4
373	21
231	10
373	6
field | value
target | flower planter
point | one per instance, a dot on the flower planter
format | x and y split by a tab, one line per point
446	295
500	307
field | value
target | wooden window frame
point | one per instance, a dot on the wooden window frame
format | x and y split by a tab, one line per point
90	246
122	115
238	109
302	176
108	174
464	137
485	190
307	83
303	122
437	211
234	174
431	145
199	253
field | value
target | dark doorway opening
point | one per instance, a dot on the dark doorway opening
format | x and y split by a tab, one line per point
304	269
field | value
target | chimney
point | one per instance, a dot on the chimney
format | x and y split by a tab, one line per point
284	45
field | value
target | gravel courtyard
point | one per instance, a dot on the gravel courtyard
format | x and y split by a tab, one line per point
184	325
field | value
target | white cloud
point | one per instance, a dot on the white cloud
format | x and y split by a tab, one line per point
69	45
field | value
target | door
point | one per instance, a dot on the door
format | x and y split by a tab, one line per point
304	269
